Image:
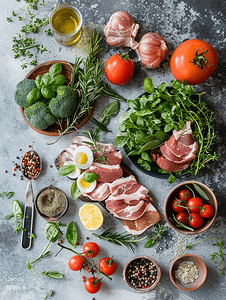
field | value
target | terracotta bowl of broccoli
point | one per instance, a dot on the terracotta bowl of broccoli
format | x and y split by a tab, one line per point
46	98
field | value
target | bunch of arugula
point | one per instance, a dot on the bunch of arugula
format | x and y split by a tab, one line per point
152	117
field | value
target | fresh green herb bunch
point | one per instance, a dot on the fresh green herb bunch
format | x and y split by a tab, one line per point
22	42
151	118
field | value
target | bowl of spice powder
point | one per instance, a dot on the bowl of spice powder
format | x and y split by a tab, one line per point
51	203
141	274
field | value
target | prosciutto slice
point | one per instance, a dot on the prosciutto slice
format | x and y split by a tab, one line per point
101	192
148	219
178	152
107	173
127	186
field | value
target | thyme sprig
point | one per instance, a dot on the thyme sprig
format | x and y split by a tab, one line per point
22	43
159	229
121	239
219	255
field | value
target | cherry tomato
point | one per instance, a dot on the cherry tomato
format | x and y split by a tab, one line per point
75	263
108	265
196	220
91	249
194	61
194	203
92	286
185	194
182	217
119	69
176	203
207	212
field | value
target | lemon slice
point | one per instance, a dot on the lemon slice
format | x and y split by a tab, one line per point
91	216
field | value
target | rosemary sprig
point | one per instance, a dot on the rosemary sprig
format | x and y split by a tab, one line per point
121	239
108	92
22	43
219	255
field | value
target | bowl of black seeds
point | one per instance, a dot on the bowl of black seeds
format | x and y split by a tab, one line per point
141	274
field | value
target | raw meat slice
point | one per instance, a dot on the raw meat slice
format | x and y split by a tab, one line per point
148	219
113	158
107	173
101	192
170	166
126	186
131	209
176	159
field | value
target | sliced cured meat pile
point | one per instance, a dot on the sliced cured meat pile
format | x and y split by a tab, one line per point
126	186
113	156
178	152
107	173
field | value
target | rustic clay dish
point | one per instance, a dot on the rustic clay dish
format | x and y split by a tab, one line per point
67	72
59	215
168	211
201	268
141	290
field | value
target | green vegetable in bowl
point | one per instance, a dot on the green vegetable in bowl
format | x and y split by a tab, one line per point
65	103
39	116
24	87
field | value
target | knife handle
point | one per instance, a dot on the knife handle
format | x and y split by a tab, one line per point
28	224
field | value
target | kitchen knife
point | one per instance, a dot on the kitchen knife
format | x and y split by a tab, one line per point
28	217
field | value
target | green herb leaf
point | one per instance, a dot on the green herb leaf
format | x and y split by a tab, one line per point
90	177
75	191
46	253
49	293
110	110
171	178
72	234
150	243
52	232
8	195
55	69
9	216
28	265
201	191
66	170
53	274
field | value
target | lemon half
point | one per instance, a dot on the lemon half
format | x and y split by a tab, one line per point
91	216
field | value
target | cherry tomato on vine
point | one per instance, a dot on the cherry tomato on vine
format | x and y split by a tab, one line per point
119	69
75	263
207	212
108	265
92	286
196	220
91	249
194	204
185	194
176	203
182	217
194	61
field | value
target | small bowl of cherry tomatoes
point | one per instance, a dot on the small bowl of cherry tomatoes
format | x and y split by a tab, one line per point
190	207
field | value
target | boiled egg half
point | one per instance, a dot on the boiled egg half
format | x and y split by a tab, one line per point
76	171
83	157
85	186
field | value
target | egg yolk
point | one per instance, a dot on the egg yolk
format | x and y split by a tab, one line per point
81	158
84	183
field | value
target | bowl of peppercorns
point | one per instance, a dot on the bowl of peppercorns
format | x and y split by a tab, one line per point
142	274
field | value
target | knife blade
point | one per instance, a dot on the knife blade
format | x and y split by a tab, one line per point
28	217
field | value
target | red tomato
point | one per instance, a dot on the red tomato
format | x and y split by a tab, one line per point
176	203
207	212
194	204
196	220
92	286
119	69
108	265
182	217
185	194
91	249
186	64
75	263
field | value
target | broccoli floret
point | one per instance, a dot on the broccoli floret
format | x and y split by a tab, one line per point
65	103
39	116
23	89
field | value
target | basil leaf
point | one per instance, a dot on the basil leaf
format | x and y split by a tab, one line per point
72	234
66	170
150	243
55	69
46	253
121	140
33	96
38	81
200	191
90	177
52	231
47	92
144	164
171	179
145	156
8	195
75	191
57	81
110	110
53	274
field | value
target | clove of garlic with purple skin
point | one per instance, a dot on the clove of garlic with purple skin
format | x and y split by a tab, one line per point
151	50
121	30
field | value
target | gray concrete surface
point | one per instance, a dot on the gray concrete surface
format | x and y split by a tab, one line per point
176	21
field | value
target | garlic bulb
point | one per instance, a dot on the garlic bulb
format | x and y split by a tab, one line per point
121	30
151	50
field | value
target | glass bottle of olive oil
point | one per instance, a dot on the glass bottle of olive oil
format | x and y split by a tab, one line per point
66	23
